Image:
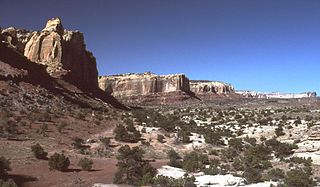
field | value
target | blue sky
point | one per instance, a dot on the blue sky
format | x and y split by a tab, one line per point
265	45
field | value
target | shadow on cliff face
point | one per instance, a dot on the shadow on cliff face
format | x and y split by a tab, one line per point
23	70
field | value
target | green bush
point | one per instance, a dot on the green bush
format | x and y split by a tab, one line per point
164	181
105	141
124	135
236	143
237	164
299	177
85	164
281	149
174	159
299	160
194	161
132	168
252	175
229	153
183	136
59	162
275	174
38	151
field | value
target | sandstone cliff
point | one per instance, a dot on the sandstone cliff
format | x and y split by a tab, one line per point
207	87
143	84
62	51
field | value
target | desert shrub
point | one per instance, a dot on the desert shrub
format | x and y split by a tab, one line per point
8	126
297	121
299	160
61	126
275	174
252	175
8	183
105	141
251	141
132	168
280	149
4	166
299	177
78	143
85	164
174	159
123	134
145	143
255	160
160	138
212	170
257	156
80	115
213	137
308	118
194	161
237	164
262	138
284	118
59	162
229	153
183	136
43	129
143	130
130	126
279	131
164	181
236	143
38	151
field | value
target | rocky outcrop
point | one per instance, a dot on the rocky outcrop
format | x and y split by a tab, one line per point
16	38
125	85
62	51
207	87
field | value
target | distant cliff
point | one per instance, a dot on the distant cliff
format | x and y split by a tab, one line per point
276	95
149	87
143	84
213	87
62	51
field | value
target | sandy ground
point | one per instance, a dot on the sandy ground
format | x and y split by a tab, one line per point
37	174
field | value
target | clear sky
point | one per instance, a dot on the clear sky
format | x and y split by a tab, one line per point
264	45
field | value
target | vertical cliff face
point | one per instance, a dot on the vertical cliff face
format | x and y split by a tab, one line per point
62	51
143	84
207	87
